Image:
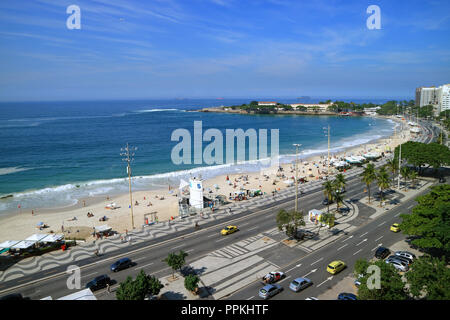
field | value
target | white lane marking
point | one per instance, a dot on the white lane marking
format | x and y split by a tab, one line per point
190	250
342	246
177	246
250	298
348	238
212	235
252	229
378	238
381	223
284	279
220	240
90	274
398	214
363	234
357	251
244	224
142	258
317	261
297	266
146	265
328	279
377	247
362	242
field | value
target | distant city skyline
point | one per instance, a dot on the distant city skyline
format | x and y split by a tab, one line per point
134	50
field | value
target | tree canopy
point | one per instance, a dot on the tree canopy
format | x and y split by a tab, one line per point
176	261
429	221
139	288
421	154
391	285
289	221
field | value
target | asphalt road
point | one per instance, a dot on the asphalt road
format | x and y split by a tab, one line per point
148	256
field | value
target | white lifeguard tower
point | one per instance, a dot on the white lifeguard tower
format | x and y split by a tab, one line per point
196	193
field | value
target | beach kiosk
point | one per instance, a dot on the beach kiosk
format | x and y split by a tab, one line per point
315	216
196	193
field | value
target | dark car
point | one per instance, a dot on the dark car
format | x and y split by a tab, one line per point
347	296
121	264
382	253
98	283
12	296
326	201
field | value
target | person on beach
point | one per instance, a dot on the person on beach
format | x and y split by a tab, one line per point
32	212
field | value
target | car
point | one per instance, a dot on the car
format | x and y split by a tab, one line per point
405	254
299	284
326	201
347	296
228	230
403	259
395	227
343	209
336	266
121	264
382	253
269	291
12	296
272	277
397	264
98	282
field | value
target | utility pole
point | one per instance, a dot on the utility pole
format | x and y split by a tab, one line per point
328	159
296	175
399	164
128	153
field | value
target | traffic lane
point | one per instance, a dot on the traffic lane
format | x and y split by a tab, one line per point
308	199
375	231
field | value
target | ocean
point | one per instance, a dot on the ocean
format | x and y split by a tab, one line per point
54	153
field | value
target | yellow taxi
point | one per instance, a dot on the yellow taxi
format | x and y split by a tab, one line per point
336	266
228	230
395	227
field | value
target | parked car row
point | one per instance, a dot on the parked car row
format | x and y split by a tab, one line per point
400	260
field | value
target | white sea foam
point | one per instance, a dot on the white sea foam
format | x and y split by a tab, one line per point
154	110
10	170
68	194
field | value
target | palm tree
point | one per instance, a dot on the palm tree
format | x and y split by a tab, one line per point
382	182
405	172
368	176
328	191
338	198
340	181
393	167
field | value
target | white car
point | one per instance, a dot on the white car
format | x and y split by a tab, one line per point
405	254
399	265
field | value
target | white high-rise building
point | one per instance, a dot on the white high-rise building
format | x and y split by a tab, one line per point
444	97
439	97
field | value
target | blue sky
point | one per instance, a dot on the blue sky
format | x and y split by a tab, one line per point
129	49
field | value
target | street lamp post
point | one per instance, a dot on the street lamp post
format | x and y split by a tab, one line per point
128	153
296	145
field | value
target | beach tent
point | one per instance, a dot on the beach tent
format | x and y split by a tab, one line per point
289	182
36	237
103	228
24	244
85	294
183	183
8	244
52	238
314	215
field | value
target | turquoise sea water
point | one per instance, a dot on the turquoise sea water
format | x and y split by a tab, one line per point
54	153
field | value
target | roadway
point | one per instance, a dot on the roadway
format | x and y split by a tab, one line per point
148	255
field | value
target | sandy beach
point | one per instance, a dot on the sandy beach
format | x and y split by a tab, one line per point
164	202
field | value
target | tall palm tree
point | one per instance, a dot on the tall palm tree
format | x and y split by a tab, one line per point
340	181
368	176
393	167
382	182
405	172
328	190
338	197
